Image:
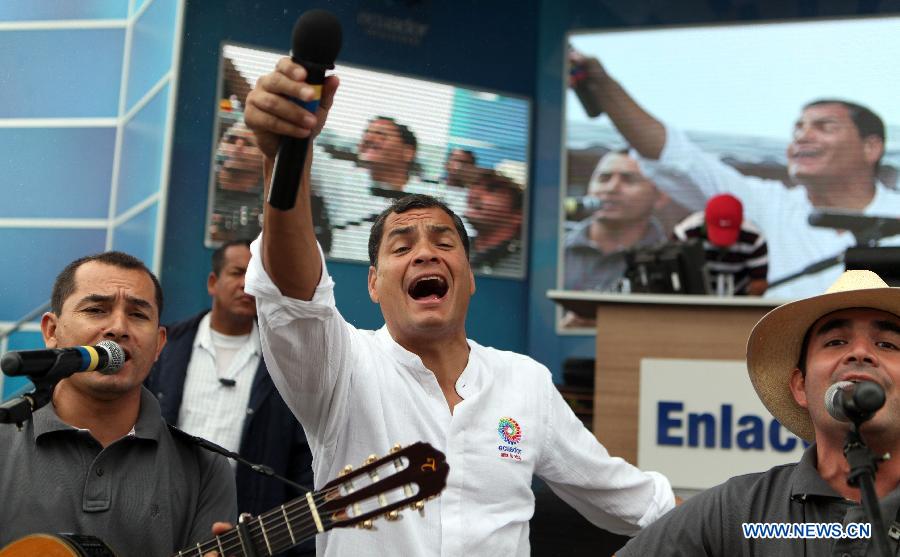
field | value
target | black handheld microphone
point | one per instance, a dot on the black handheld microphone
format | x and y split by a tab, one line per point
316	42
847	401
57	363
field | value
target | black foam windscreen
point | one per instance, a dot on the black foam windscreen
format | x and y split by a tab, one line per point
317	38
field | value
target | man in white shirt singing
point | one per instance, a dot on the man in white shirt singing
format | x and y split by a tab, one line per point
496	415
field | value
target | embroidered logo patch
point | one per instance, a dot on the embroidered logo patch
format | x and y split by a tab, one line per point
510	434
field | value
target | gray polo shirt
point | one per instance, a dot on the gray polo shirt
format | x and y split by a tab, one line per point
709	524
588	268
146	494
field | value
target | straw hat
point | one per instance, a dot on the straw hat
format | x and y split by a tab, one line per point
774	345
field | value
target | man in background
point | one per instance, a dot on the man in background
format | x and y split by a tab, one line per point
736	253
386	169
238	190
494	210
595	247
212	382
461	168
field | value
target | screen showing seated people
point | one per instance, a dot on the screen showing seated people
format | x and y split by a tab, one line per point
386	136
763	143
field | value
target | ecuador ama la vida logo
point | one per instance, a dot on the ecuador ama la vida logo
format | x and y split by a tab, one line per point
510	435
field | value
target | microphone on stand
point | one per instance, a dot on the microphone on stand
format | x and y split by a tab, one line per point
58	363
47	367
577	208
856	402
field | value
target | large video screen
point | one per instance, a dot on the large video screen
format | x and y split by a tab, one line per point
386	136
733	104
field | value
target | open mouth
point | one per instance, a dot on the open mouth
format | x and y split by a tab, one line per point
805	154
428	287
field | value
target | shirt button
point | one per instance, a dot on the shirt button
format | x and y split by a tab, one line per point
249	411
99	472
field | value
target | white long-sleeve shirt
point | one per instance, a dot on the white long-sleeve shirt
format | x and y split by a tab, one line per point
358	392
691	176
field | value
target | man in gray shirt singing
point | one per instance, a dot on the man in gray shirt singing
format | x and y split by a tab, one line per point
99	460
795	353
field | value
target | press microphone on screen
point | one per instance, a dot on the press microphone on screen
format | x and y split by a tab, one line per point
848	401
58	363
316	42
577	208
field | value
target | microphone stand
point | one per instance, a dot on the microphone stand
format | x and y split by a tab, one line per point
811	269
258	468
19	410
863	466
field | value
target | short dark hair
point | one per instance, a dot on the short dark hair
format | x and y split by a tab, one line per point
866	121
406	203
467	152
218	256
64	285
406	134
493	180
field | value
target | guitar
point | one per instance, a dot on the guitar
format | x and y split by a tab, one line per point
380	488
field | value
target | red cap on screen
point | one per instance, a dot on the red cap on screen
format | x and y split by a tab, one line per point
724	214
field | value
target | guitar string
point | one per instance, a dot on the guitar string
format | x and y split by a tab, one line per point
280	534
276	536
231	540
303	528
298	507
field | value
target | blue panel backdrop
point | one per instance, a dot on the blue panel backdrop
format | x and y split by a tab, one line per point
137	235
76	185
142	153
60	74
32	259
36	10
151	48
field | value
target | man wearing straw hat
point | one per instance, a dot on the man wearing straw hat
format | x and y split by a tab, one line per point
795	353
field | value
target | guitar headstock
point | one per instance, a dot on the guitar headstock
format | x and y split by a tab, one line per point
383	486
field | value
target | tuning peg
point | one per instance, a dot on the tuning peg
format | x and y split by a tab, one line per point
346	470
396	448
393	515
371	458
419	506
367	524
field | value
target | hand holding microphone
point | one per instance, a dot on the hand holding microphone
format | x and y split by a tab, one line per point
585	75
316	42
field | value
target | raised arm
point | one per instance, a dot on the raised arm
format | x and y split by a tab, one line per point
644	133
289	251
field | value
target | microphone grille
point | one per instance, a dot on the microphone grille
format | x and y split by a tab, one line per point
831	400
317	38
116	357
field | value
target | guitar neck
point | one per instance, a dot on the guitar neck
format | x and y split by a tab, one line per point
267	534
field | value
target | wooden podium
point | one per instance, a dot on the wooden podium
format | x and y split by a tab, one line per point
631	327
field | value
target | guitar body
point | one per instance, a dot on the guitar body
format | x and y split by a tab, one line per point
60	545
